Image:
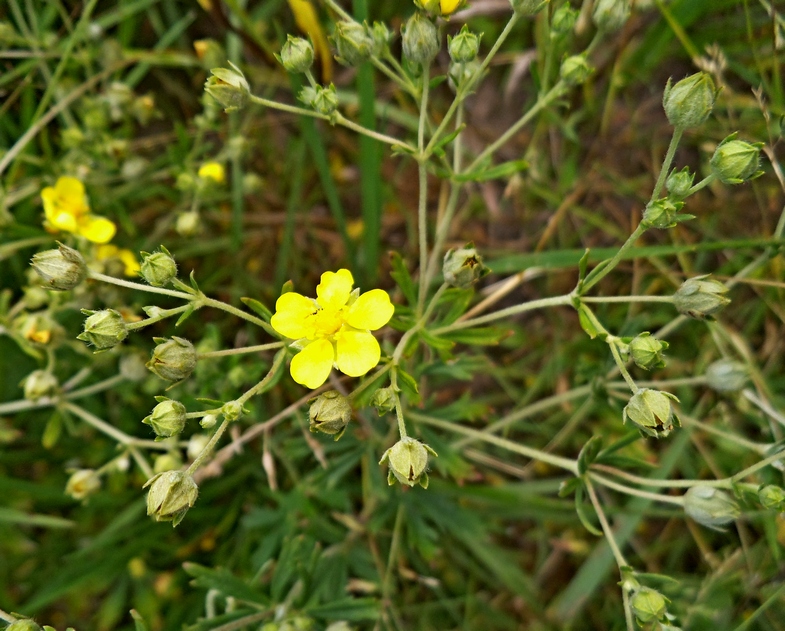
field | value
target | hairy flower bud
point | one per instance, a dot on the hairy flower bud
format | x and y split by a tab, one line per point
103	329
83	483
188	223
575	70
232	410
229	87
61	269
735	161
663	213
170	496
439	7
330	413
354	43
772	497
563	21
384	400
40	329
167	462
690	101
528	7
382	36
323	99
174	359
648	604
651	411
464	46
168	418
208	421
23	624
726	375
420	40
40	383
700	298
463	267
709	506
646	351
296	55
679	183
610	15
408	462
132	367
158	268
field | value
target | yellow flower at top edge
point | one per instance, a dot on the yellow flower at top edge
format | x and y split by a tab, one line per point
128	258
334	329
66	208
448	7
213	171
443	8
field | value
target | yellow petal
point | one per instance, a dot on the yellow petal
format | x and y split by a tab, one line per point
291	313
213	171
308	21
372	310
449	6
71	195
312	365
108	251
333	291
357	352
49	198
128	258
96	229
64	221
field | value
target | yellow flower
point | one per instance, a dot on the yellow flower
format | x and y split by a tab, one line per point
213	171
66	208
334	329
128	258
448	7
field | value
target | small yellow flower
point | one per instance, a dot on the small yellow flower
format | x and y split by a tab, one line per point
213	171
66	208
448	7
334	329
128	258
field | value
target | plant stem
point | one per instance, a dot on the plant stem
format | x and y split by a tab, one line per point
139	286
422	206
43	402
161	315
208	448
597	274
621	488
606	528
112	432
398	408
263	384
620	365
626	299
666	163
218	304
401	347
240	351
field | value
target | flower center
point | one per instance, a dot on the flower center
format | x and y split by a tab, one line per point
327	321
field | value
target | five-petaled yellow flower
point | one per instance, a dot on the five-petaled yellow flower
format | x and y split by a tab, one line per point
334	329
66	208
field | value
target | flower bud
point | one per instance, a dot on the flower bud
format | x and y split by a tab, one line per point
420	40
296	55
679	183
663	213
464	46
170	496
354	43
439	7
690	101
772	497
563	21
209	53
323	99
610	15
40	383
61	269
735	161
384	400
382	36
173	360
188	224
330	413
36	298
103	329
231	410
651	411
208	421
83	483
167	419
24	624
458	73
158	268
132	367
167	462
646	351
648	605
575	70
229	87
408	461
700	298
463	267
528	7
40	329
709	506
726	375
196	445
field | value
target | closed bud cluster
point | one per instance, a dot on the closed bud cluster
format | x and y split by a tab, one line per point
231	410
727	375
229	87
700	298
167	419
170	496
464	46
709	506
382	36
575	70
679	183
651	411
158	268
330	413
528	7
735	161
323	99
61	269
83	483
610	15
420	40
690	101
463	267
296	55
646	351
173	360
353	42
384	400
103	329
564	20
648	605
663	213
772	497
408	462
40	383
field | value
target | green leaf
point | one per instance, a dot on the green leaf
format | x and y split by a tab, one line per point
185	315
353	609
589	454
178	284
438	343
287	287
52	431
458	301
580	508
223	581
449	137
582	266
139	624
13	516
192	279
408	385
589	323
403	278
503	170
259	308
484	336
568	487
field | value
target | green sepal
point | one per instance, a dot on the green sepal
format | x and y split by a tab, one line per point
258	308
185	315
